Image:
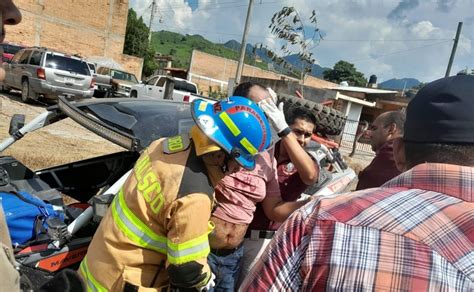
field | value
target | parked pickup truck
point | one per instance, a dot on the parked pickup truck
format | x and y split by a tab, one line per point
120	82
103	83
166	87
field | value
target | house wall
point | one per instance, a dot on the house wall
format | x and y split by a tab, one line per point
85	27
222	69
290	87
352	112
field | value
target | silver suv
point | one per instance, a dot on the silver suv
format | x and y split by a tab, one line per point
43	72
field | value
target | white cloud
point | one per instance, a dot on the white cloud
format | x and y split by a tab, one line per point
416	42
423	29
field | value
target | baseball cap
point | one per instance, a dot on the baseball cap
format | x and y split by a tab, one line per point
442	112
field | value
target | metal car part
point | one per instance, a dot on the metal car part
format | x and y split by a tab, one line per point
123	139
37	123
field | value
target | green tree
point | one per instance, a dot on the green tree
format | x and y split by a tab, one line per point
136	42
345	71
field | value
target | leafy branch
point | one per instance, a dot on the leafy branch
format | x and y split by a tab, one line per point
288	25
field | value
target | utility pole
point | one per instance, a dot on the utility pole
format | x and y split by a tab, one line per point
243	46
453	51
152	15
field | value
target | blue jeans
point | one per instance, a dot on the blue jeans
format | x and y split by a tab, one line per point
226	268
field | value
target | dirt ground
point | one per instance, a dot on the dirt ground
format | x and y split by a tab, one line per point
62	142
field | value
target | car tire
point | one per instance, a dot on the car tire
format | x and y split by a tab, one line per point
328	120
133	94
99	94
25	91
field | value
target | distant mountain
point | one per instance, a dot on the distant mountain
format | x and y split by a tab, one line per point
316	70
232	44
394	83
294	60
181	46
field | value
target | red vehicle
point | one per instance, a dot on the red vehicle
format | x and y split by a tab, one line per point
10	49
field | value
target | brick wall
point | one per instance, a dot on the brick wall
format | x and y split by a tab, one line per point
223	69
85	27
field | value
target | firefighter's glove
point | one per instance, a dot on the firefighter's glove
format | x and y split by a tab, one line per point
273	94
209	284
275	114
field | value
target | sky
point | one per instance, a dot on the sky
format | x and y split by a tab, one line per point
388	38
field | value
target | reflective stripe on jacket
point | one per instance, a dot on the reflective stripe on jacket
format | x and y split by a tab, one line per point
160	219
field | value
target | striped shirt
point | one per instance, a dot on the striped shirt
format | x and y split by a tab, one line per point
415	233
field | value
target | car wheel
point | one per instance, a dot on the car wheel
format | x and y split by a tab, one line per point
328	120
99	94
25	91
133	94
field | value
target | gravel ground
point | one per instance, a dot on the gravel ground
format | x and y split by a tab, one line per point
62	142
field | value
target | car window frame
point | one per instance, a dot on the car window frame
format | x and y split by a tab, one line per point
17	56
27	59
86	71
31	57
164	82
148	82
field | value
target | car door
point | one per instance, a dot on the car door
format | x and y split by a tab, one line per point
34	64
19	70
9	77
158	90
148	87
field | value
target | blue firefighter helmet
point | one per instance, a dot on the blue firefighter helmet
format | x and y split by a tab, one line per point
236	124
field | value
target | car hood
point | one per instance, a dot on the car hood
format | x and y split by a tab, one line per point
130	122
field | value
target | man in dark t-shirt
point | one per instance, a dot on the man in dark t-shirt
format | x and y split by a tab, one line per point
383	131
295	174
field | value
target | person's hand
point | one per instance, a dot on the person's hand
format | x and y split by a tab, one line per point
275	114
273	94
209	284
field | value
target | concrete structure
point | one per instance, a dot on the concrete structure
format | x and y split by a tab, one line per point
213	73
352	109
85	27
385	100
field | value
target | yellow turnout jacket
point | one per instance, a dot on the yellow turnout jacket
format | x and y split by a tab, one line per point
155	233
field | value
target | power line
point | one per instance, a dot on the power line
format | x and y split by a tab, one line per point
238	4
322	40
382	40
399	52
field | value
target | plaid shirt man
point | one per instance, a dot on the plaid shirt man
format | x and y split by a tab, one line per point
414	233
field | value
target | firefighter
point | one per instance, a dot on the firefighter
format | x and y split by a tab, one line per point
155	234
